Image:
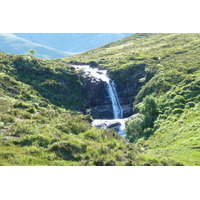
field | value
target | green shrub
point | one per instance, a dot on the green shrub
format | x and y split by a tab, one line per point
69	149
190	105
120	158
104	161
129	162
7	119
147	132
23	129
149	108
104	150
26	115
110	162
92	134
36	140
21	105
112	144
135	127
31	110
99	161
64	128
177	111
148	112
180	105
155	58
179	99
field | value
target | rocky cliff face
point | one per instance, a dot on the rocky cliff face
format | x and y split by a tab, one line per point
128	88
96	98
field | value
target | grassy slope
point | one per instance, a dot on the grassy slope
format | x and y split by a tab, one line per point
39	124
172	75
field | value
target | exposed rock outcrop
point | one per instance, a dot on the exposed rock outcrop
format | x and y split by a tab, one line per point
127	109
102	111
95	97
95	94
128	88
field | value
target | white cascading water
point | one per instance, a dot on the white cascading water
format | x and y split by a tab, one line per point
117	109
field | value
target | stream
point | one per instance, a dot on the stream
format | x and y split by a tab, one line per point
117	123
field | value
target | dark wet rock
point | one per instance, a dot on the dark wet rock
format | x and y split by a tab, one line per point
127	110
128	87
102	111
95	95
96	98
94	92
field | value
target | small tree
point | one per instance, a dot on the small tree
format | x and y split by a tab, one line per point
31	52
150	110
135	127
143	123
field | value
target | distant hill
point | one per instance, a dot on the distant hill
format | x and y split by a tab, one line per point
72	42
55	45
10	43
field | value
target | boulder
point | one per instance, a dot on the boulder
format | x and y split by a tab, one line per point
117	125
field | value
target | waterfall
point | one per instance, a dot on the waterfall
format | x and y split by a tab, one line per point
117	109
110	85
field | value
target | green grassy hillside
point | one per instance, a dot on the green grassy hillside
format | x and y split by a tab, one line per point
172	76
40	125
40	99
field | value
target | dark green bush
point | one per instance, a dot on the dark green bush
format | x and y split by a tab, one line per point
21	105
23	129
69	150
190	105
34	140
92	134
148	112
104	161
100	161
135	127
179	99
7	118
31	110
110	162
112	144
177	111
155	58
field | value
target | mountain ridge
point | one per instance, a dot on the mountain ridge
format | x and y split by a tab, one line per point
72	42
54	45
11	43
